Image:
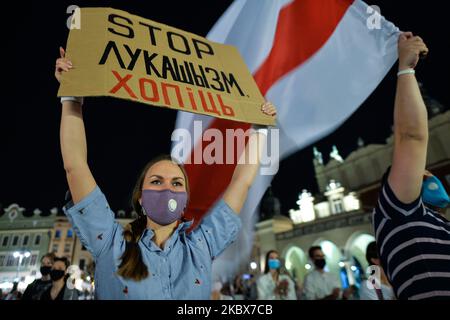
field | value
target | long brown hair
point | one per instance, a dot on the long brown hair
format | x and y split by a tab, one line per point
132	265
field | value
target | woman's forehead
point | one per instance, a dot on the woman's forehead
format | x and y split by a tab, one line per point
165	169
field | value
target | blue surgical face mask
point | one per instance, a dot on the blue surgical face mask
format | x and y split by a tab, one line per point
274	264
433	193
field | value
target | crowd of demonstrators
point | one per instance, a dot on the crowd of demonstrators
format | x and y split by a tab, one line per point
51	286
410	258
275	283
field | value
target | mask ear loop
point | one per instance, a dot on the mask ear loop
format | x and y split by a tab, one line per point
143	213
184	209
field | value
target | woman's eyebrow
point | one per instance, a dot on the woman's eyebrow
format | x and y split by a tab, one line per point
162	178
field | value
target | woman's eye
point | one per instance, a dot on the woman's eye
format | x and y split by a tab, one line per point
177	184
155	182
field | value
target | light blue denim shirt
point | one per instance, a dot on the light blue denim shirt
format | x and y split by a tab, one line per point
182	270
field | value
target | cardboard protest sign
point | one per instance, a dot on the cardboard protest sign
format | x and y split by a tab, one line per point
121	55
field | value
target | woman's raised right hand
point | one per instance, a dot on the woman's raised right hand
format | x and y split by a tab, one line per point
62	64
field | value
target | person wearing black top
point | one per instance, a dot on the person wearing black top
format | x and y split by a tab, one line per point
38	286
59	290
412	233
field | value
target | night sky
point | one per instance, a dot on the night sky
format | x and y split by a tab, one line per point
123	136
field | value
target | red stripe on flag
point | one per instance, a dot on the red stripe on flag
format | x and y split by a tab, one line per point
303	28
208	182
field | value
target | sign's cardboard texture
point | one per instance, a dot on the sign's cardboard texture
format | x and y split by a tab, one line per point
121	55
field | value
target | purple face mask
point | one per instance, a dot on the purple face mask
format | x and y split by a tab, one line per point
164	206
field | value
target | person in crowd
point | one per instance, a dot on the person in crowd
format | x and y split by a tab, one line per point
35	289
59	289
239	289
320	284
153	257
244	287
377	287
274	284
412	234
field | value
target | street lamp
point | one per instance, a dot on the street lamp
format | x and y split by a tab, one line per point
20	255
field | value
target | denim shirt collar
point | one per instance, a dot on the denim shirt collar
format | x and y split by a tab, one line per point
148	234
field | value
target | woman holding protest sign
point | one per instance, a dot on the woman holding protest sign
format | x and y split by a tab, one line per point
153	257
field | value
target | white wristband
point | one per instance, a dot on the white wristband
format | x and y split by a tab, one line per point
406	71
75	99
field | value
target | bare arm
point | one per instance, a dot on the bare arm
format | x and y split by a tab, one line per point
246	169
73	142
410	125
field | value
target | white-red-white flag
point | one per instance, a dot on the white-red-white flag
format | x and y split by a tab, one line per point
317	61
